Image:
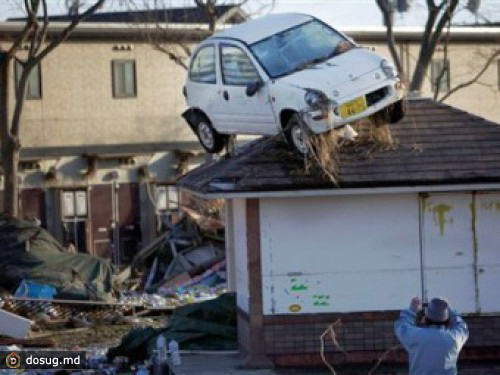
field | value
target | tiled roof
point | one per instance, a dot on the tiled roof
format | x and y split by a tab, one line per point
438	144
171	15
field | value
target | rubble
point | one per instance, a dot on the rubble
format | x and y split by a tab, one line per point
32	256
73	301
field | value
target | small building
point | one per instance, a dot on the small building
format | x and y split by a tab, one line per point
422	219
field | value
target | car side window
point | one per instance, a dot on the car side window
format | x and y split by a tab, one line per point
203	66
237	68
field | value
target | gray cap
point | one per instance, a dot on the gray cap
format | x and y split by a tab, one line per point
437	310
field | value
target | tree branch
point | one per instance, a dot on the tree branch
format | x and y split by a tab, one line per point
385	8
475	78
67	31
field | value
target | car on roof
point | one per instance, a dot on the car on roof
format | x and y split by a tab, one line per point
285	73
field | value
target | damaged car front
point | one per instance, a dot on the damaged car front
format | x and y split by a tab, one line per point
321	78
286	73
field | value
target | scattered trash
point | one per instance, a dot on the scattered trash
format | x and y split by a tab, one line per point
13	325
209	325
34	290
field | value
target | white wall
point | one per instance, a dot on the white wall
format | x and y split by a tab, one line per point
339	254
361	253
240	253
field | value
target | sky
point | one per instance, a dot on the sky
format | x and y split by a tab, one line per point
339	13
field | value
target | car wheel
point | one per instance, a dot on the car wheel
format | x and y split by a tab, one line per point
211	141
296	135
396	112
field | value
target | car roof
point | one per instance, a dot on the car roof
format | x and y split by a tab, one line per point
263	27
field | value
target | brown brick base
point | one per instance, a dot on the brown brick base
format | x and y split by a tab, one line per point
293	340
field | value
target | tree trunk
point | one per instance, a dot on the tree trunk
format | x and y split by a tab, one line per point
10	152
10	161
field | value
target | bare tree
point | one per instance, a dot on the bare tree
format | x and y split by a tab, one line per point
28	49
439	14
436	32
158	30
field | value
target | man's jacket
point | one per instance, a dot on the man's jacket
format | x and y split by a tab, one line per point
433	350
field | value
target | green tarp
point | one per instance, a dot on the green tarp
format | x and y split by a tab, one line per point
209	325
31	253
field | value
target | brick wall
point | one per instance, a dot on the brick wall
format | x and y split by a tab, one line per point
293	341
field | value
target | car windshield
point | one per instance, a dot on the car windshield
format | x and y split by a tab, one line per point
299	47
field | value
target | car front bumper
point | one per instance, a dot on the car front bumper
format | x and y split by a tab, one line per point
320	121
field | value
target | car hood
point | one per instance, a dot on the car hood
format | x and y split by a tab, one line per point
348	66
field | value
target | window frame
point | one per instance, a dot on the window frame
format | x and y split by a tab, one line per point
447	76
113	81
17	77
221	46
171	205
209	45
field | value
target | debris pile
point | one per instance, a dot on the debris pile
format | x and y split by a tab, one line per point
54	299
30	255
185	264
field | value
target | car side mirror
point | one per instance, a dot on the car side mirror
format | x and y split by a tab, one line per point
253	87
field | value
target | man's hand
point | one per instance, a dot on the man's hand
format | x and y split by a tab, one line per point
416	304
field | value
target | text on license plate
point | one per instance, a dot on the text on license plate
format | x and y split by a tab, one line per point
353	107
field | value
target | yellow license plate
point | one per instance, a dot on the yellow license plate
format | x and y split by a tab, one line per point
353	107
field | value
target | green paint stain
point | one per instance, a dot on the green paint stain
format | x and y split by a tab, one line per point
299	287
440	211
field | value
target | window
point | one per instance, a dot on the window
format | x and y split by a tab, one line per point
237	68
34	84
124	81
167	198
203	66
299	46
440	70
74	212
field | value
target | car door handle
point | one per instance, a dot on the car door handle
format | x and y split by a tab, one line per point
225	95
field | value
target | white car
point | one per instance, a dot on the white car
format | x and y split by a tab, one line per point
283	71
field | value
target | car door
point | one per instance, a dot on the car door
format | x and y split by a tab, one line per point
201	85
235	111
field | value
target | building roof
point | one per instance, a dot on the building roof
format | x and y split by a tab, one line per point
262	27
190	15
438	145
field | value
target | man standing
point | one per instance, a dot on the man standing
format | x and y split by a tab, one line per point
433	346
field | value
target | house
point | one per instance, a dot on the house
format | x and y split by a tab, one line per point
102	133
103	140
421	219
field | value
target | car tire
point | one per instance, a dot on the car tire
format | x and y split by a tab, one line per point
212	141
390	114
296	135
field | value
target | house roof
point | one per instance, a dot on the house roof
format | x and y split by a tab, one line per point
262	27
438	145
190	15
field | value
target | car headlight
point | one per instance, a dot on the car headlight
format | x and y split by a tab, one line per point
316	99
388	69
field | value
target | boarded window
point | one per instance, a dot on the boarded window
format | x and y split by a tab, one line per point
124	80
203	66
237	68
440	75
34	83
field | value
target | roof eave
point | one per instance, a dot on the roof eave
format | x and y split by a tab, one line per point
443	187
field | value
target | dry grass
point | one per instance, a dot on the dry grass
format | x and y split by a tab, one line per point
325	149
330	332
